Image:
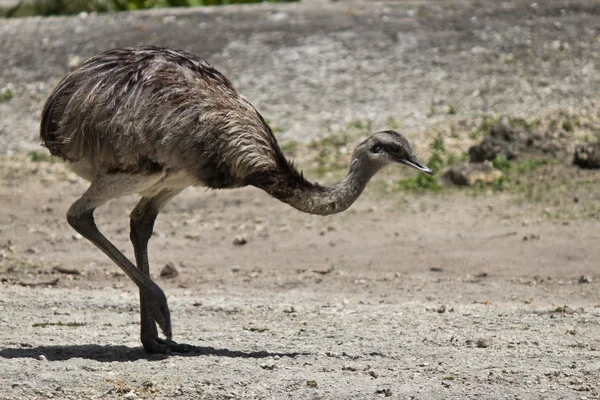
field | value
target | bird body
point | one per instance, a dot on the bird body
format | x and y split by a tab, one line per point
154	121
148	109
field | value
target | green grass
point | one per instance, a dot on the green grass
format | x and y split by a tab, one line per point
528	126
436	162
393	124
41	156
330	156
329	142
6	94
70	7
530	165
502	163
276	129
290	147
567	125
360	125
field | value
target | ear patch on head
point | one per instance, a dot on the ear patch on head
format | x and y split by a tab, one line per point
394	148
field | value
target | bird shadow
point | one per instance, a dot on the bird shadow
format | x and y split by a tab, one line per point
123	353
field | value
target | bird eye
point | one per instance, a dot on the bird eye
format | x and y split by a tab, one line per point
376	148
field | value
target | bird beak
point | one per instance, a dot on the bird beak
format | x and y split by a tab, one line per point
416	164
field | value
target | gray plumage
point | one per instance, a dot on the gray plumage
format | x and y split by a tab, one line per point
154	121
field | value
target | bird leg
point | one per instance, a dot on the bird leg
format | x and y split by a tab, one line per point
142	223
81	217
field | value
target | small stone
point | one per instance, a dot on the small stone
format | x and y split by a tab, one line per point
468	174
326	229
130	395
585	279
312	384
374	374
587	155
239	240
169	271
42	357
387	392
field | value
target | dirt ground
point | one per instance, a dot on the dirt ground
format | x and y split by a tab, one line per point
425	297
463	294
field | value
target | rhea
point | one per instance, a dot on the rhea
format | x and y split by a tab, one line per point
153	121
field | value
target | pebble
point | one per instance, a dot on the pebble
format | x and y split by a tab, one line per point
240	240
130	395
386	392
42	357
169	271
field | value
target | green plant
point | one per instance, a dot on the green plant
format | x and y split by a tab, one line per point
438	145
290	147
360	125
567	125
40	156
436	163
502	163
391	123
488	123
6	94
452	159
276	129
530	165
528	126
422	11
420	182
69	7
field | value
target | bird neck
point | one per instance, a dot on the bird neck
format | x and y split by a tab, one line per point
292	188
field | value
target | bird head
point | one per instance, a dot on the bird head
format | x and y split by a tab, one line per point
387	147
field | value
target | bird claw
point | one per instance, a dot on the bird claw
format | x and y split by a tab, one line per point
156	345
158	311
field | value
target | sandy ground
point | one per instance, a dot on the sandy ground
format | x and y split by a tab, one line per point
425	297
457	295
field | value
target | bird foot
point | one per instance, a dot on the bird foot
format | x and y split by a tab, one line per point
156	345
